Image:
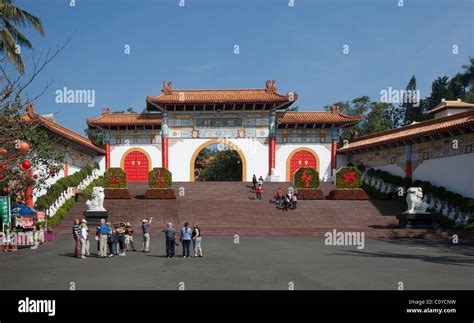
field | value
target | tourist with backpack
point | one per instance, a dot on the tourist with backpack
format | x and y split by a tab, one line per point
186	239
129	237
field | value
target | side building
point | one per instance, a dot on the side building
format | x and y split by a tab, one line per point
78	151
437	150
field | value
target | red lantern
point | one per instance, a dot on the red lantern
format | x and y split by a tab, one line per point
24	147
1	177
51	171
4	190
10	156
3	151
26	164
4	166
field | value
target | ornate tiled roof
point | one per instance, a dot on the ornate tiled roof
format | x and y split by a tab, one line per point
125	119
414	130
60	130
333	117
268	94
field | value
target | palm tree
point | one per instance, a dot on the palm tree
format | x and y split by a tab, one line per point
10	37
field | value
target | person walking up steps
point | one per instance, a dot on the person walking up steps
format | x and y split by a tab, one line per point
259	192
254	182
186	239
146	234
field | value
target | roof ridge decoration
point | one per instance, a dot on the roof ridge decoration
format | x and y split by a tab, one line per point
167	88
106	111
335	109
270	86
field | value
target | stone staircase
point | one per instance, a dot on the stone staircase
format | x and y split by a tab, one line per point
229	208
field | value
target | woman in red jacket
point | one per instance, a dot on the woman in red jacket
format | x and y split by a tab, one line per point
259	191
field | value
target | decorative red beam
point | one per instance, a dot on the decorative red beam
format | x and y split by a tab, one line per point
107	156
271	154
66	169
333	157
164	152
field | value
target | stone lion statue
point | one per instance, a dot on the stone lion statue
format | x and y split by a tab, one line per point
415	200
97	201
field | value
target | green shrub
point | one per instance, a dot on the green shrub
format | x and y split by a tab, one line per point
115	178
306	178
54	191
159	177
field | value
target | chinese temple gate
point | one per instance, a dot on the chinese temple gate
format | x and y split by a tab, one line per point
271	141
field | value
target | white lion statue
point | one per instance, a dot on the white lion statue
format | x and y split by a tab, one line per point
415	201
97	202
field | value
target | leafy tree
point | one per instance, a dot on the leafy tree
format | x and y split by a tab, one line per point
215	165
379	118
11	38
95	135
439	90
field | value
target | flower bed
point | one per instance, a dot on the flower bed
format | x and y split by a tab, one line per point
347	194
306	178
115	178
159	178
161	194
117	193
310	194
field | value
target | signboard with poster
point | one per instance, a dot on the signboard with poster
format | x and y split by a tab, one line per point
5	210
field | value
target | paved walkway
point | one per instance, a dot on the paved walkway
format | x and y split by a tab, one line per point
254	263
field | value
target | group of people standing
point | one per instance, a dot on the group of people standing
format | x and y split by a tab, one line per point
186	236
116	239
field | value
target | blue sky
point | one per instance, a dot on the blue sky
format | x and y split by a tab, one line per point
301	47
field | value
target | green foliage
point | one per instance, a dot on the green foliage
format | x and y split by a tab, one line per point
159	178
115	177
85	194
306	178
95	135
60	213
12	17
377	116
54	191
218	165
348	177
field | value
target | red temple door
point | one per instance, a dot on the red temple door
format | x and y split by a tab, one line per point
136	167
302	158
